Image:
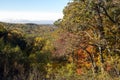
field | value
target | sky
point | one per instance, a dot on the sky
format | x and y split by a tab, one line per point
31	9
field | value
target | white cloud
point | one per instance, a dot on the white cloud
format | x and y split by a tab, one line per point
13	15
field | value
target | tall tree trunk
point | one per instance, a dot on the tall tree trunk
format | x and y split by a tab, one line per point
5	70
101	58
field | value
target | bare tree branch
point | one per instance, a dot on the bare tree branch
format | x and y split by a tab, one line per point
106	13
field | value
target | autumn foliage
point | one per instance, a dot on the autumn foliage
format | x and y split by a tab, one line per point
83	45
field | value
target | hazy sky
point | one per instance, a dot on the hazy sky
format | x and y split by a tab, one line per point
32	9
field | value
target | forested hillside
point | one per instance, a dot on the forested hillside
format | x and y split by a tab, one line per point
83	45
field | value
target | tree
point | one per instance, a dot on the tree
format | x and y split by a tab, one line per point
94	20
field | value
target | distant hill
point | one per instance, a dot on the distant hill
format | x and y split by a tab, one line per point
29	21
31	29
